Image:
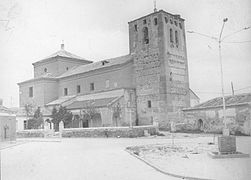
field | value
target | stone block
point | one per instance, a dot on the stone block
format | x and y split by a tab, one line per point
227	144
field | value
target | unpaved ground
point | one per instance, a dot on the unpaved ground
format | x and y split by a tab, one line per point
191	159
87	158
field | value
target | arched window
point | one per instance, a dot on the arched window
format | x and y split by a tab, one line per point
45	69
145	35
176	37
171	35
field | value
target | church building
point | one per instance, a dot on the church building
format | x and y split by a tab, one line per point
141	88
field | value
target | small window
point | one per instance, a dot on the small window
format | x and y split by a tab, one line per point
30	91
171	21
144	21
149	104
135	27
92	87
107	84
78	89
65	91
176	37
67	68
45	69
155	21
175	22
171	35
145	35
166	20
180	25
25	124
171	76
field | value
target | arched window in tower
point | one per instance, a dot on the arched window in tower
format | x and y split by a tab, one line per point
176	37
145	35
171	35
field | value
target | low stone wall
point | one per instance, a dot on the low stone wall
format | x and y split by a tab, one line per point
31	133
136	131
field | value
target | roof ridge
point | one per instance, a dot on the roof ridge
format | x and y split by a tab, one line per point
95	65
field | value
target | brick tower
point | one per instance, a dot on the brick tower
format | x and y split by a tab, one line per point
158	46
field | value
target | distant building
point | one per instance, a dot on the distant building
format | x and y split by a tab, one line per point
145	85
7	124
208	116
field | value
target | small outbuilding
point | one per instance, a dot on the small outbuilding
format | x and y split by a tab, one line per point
7	124
208	116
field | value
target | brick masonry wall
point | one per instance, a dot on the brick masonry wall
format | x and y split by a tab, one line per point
136	131
161	72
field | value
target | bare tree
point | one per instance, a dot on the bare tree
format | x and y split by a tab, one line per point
28	112
89	112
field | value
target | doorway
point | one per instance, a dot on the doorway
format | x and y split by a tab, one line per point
200	124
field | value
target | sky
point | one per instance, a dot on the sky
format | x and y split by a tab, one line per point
31	30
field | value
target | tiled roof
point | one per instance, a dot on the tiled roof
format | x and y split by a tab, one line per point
93	103
63	53
97	65
100	99
60	100
229	100
44	77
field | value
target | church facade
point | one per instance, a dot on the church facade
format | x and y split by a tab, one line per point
144	87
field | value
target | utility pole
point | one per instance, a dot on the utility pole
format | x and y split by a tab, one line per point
225	131
219	41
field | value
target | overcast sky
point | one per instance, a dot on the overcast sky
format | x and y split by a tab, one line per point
98	29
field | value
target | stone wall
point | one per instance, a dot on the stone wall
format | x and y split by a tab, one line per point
211	120
30	133
136	131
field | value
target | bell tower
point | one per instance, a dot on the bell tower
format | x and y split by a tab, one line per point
158	46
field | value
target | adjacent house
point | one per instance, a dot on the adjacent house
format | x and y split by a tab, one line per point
208	116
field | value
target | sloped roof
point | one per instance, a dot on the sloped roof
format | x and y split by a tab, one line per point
63	53
43	77
60	100
97	65
195	95
94	103
99	99
229	100
4	109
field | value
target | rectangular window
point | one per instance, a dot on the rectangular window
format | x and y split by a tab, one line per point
78	89
92	87
144	21
30	91
149	104
155	21
65	91
107	84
